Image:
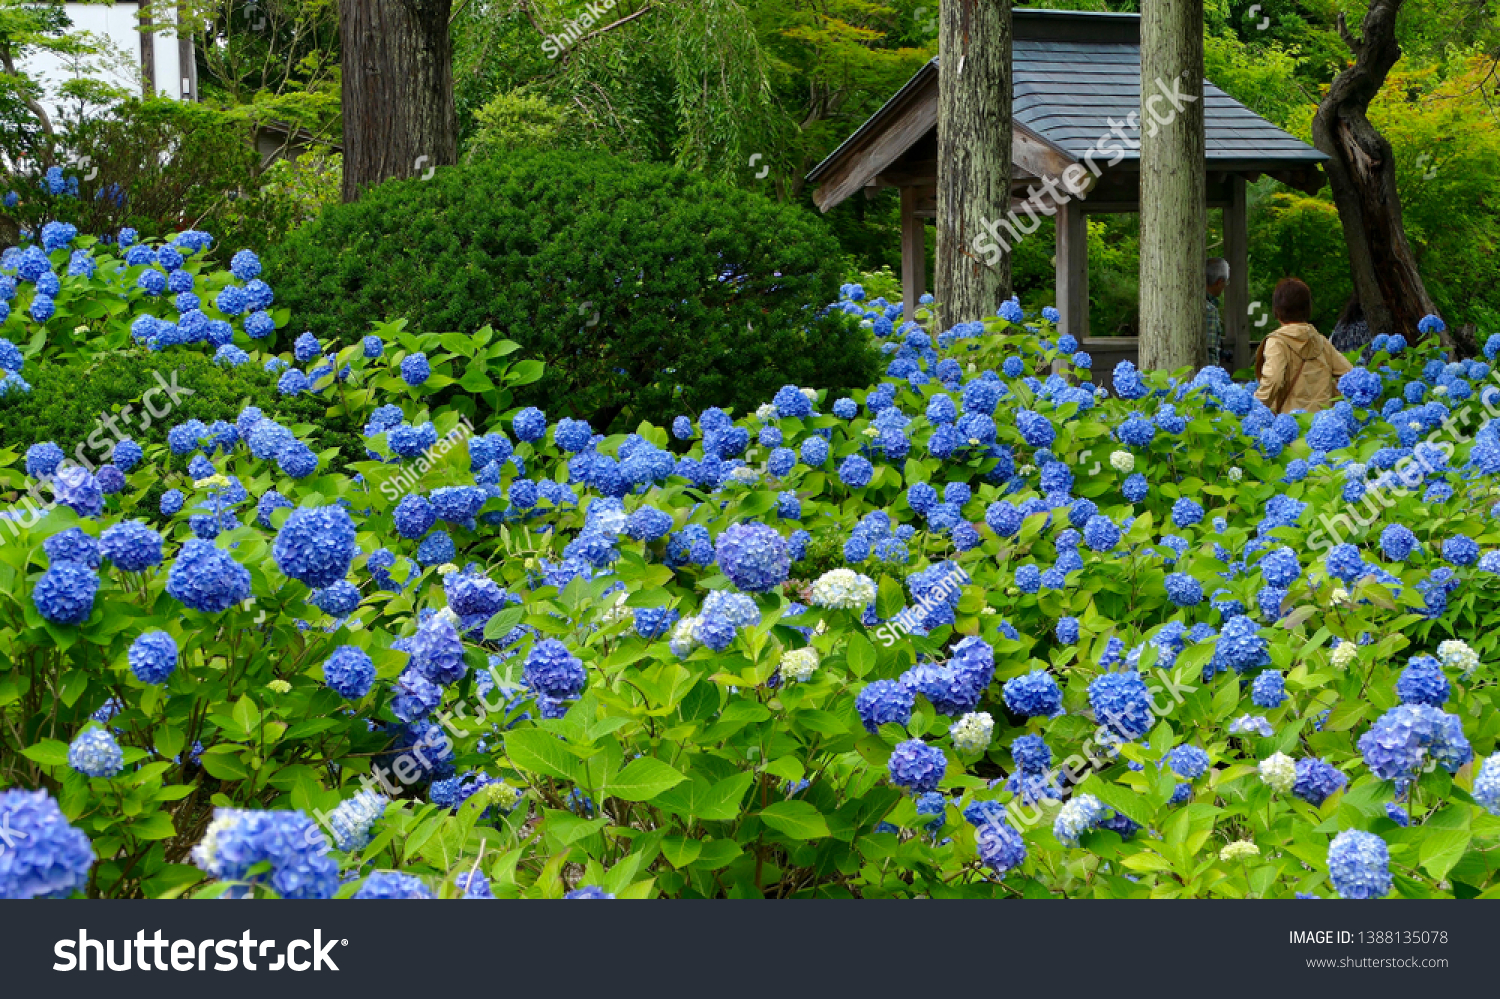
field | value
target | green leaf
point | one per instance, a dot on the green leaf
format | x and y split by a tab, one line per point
798	819
48	752
504	622
891	598
525	372
644	779
157	825
543	753
568	828
861	654
681	850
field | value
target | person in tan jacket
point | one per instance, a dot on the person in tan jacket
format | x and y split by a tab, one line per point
1296	366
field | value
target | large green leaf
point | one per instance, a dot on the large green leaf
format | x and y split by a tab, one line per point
644	779
797	819
543	753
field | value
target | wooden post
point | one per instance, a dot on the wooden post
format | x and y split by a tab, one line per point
1174	193
1236	312
148	52
1073	270
187	66
913	254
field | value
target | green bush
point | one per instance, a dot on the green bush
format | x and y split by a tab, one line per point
76	403
647	291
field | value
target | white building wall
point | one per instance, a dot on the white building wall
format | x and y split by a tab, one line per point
117	23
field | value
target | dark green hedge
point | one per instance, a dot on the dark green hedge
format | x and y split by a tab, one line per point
704	294
67	399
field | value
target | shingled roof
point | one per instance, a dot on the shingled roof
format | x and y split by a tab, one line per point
1074	71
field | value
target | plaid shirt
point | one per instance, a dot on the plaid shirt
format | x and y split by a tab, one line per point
1215	326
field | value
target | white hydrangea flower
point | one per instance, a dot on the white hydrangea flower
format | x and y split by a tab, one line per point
1440	390
1239	850
870	432
1279	772
744	473
685	636
1339	595
447	614
766	413
799	664
972	733
843	589
1236	473
1343	657
616	611
279	686
1122	461
1025	470
810	394
1457	655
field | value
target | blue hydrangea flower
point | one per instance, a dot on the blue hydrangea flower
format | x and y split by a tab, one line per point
45	857
65	592
1101	534
591	891
530	424
1423	682
1487	781
1359	865
1033	695
551	670
415	369
72	545
352	822
1122	704
753	556
206	578
153	656
1186	512
1316	780
855	472
316	545
287	848
1461	550
571	435
1183	590
917	767
1269	689
884	701
95	753
1000	847
1397	745
1188	762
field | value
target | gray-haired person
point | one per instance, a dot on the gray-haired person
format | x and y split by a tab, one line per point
1219	352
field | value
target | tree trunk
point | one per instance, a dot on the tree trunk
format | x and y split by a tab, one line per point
1174	196
1362	173
397	90
974	135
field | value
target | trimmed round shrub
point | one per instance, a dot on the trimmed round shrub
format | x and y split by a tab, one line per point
647	290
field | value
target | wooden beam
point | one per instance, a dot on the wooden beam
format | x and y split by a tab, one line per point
1073	270
1236	313
913	252
882	150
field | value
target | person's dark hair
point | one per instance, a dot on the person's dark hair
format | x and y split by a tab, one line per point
1292	301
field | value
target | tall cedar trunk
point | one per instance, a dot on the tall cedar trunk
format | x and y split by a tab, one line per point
1174	198
974	136
1362	173
397	90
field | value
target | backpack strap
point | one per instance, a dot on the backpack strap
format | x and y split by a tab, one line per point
1285	389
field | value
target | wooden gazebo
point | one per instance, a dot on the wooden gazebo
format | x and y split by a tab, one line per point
1076	89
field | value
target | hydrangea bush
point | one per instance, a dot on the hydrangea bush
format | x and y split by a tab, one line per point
1151	642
